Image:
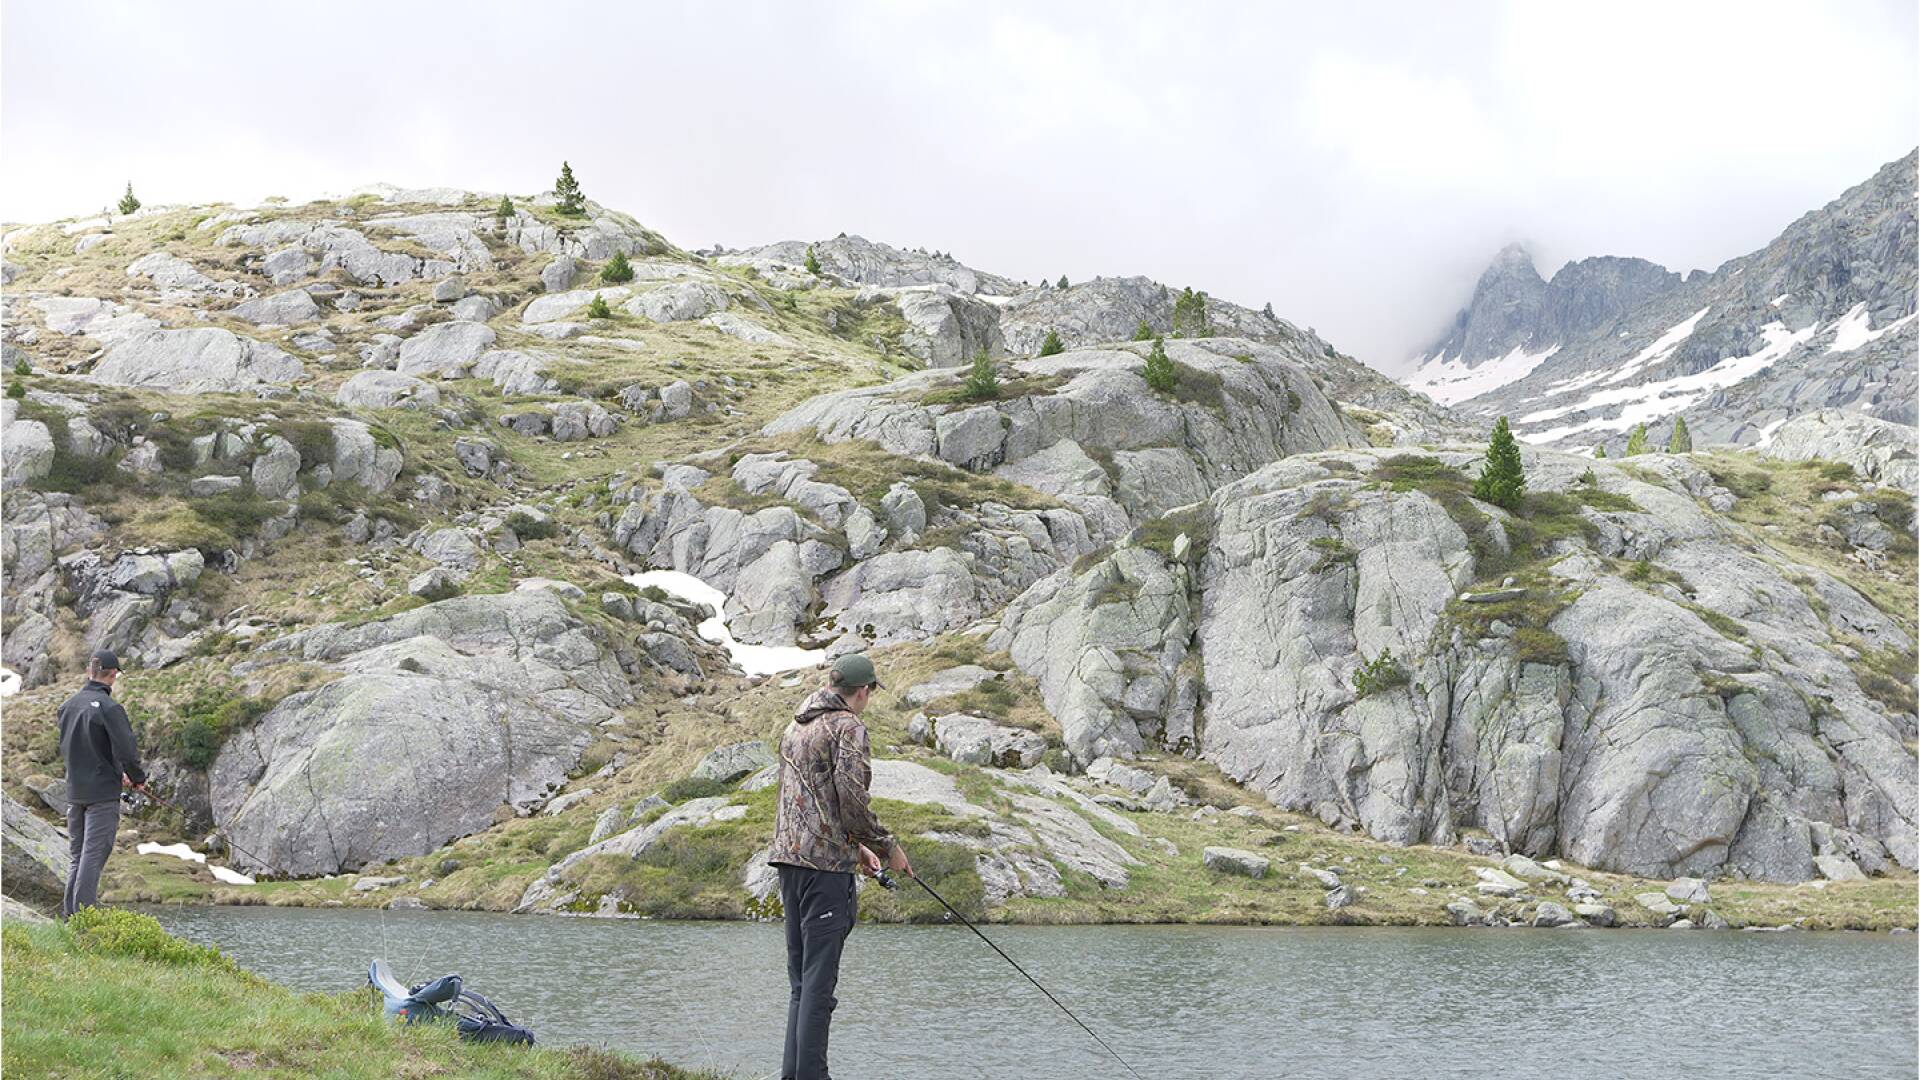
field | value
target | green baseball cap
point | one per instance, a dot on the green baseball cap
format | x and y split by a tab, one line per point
854	671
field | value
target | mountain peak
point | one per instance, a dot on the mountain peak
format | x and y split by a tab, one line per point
1513	256
1820	318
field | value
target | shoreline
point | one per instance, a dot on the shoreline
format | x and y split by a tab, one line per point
1879	905
190	1010
1889	931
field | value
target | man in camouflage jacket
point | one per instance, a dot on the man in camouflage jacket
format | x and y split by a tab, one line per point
824	829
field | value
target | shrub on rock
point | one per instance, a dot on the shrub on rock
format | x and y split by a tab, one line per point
569	199
1159	372
617	270
982	383
1502	482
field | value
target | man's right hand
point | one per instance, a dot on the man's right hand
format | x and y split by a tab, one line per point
869	862
897	860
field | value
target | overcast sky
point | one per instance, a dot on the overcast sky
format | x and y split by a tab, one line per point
1357	168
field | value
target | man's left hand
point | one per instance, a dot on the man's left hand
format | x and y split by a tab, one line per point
869	862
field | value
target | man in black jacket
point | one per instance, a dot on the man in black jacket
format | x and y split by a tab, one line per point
97	741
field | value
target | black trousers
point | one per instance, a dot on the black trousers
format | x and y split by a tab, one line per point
820	910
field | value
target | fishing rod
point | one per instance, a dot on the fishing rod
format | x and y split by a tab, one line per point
222	833
271	867
886	880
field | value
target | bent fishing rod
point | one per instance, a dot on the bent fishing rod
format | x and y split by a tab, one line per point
886	880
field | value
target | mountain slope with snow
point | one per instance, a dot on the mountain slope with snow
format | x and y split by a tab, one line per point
1821	318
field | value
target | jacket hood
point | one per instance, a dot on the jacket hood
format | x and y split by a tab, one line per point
818	704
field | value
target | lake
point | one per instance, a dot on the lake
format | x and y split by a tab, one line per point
1193	1002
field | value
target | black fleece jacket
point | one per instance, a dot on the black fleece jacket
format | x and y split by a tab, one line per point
97	740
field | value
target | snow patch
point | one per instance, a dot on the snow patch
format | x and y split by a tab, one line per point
183	852
753	659
1651	401
1662	348
1452	381
1781	299
1766	432
9	682
1855	329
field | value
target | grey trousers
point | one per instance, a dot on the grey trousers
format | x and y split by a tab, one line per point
90	827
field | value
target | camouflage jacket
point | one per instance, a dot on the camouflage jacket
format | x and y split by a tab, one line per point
824	774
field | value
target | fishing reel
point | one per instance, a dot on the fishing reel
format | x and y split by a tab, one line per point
886	880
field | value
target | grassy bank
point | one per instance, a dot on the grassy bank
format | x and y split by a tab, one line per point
113	995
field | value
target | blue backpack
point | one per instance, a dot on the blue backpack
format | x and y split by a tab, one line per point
478	1019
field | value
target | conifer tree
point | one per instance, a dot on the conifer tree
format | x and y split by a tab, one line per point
128	204
1190	314
1159	372
598	309
1682	440
1143	332
1063	281
505	210
1600	450
1637	442
982	384
813	264
1052	345
1268	311
566	191
618	269
1502	481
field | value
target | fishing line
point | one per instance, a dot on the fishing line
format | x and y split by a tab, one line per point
270	866
886	880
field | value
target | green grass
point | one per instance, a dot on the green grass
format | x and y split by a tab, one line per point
1782	505
1333	552
1199	387
868	473
194	733
1528	616
694	872
1007	390
112	995
1162	533
1379	675
1886	675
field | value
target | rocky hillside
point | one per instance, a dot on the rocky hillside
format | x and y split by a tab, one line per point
1821	318
365	488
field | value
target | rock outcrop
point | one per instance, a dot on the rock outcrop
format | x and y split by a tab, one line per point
946	327
439	717
34	860
1230	416
1877	449
201	360
1352	670
861	261
386	390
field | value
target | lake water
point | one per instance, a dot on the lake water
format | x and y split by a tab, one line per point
1192	1002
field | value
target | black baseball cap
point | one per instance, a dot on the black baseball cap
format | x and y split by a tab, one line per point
105	660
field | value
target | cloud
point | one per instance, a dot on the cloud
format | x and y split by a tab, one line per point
1356	165
1390	126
